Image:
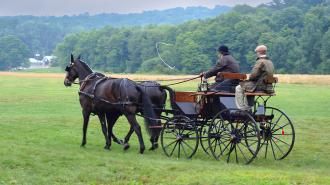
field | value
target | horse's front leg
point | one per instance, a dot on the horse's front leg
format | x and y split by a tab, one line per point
86	115
104	130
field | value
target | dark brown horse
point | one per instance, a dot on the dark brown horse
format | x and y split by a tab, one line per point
109	98
157	95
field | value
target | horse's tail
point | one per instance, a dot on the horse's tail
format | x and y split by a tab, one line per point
148	111
172	95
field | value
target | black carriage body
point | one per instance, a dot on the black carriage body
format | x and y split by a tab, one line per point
210	117
205	105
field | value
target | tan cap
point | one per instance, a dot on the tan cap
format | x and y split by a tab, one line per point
261	48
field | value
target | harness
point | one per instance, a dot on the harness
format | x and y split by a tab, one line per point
123	84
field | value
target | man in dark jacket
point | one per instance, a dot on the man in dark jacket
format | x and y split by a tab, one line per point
262	70
226	63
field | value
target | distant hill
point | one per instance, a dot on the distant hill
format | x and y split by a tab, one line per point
40	34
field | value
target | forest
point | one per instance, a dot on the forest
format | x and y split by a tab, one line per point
41	34
295	31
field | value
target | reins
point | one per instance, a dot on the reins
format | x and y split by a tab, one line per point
167	85
183	81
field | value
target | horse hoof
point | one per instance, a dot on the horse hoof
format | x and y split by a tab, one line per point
107	147
82	146
154	147
141	151
121	142
126	146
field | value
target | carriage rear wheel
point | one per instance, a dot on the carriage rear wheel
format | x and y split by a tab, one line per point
179	137
277	133
234	136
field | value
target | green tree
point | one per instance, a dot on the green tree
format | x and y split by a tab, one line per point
13	53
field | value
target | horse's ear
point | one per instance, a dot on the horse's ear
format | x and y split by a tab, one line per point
72	59
79	57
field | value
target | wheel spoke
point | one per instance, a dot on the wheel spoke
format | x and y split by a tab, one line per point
174	148
236	154
281	140
170	144
271	144
230	150
277	146
277	121
266	149
184	151
187	145
255	141
273	131
239	148
282	134
225	148
179	149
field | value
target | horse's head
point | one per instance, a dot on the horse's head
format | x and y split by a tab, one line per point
71	71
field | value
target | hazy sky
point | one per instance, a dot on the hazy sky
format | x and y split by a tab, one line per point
75	7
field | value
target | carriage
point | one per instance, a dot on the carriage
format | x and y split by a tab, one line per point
211	120
202	118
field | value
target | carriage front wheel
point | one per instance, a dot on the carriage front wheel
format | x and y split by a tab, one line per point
234	136
277	133
179	137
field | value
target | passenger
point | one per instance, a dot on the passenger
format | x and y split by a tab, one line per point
263	69
226	63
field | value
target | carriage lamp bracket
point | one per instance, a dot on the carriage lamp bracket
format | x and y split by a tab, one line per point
261	103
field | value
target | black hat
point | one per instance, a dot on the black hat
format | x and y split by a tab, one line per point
223	49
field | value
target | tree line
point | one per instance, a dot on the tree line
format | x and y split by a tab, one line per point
41	34
295	31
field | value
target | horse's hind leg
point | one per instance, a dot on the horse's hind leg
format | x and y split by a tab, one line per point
104	130
111	119
86	115
135	125
155	132
128	136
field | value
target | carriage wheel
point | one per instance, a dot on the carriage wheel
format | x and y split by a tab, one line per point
234	136
179	137
203	136
277	133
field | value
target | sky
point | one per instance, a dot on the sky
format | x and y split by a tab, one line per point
76	7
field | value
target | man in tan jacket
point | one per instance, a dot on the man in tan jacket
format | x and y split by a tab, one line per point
262	70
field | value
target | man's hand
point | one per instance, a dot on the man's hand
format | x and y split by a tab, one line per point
201	74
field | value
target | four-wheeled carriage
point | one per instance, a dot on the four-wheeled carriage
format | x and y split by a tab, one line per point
223	131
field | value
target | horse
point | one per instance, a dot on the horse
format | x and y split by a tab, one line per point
157	95
110	98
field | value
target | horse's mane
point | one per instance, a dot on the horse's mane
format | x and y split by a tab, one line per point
85	65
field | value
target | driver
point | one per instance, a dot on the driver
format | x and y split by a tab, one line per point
226	63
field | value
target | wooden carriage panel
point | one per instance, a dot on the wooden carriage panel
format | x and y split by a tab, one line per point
185	97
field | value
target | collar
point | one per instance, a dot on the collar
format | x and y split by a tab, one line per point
262	56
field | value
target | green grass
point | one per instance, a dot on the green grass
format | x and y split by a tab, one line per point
41	129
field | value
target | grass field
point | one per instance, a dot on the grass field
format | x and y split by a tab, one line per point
41	129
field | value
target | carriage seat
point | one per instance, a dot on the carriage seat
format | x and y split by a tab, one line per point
271	81
229	87
228	75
